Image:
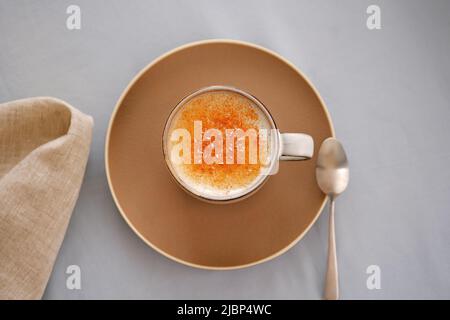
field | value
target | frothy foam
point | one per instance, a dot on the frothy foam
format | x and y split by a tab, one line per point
219	110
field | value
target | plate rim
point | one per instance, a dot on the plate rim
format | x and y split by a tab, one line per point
119	103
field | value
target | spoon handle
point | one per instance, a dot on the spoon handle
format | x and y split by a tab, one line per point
331	284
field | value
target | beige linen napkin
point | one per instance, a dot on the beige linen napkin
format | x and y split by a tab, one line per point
44	147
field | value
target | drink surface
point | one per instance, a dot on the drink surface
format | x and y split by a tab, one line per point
220	110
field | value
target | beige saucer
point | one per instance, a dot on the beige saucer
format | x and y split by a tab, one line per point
179	226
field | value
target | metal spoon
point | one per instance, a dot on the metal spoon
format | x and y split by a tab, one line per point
332	175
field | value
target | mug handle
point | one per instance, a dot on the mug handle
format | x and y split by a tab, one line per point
296	146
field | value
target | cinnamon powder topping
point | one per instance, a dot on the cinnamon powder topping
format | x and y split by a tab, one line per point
220	110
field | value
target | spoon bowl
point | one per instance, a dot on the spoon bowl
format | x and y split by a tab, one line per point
332	172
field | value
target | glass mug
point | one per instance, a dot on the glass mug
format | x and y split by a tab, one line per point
219	179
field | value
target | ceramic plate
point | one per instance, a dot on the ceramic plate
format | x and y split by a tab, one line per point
174	223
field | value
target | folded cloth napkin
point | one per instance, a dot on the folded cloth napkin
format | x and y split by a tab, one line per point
44	147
